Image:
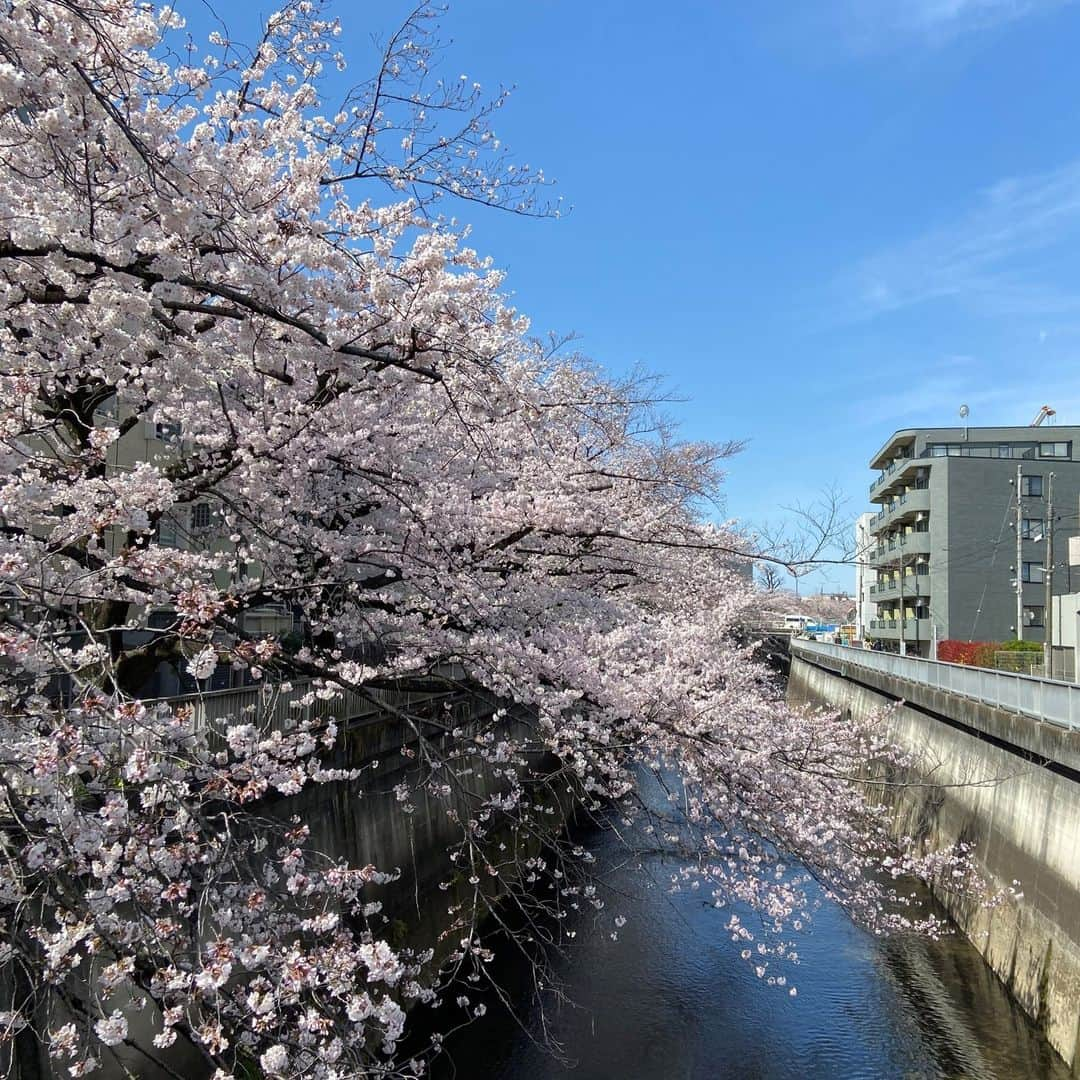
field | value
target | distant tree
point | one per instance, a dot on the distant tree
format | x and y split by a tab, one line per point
828	609
770	577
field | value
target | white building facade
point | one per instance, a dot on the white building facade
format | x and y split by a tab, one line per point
865	575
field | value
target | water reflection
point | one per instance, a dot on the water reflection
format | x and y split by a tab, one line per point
672	1000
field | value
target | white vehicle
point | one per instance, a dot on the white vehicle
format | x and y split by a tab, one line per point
796	622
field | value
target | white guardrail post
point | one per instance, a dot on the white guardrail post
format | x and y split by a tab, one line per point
1045	699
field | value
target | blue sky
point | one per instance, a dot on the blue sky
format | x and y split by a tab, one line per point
819	222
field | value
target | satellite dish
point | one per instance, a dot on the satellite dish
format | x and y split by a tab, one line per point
964	410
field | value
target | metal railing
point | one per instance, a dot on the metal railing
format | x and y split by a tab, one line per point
891	468
280	706
1045	699
898	505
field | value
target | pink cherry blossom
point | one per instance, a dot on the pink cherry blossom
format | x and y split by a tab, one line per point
263	407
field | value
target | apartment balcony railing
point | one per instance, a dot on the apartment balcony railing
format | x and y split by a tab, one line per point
913	501
895	469
912	629
890	469
914	543
916	584
888	474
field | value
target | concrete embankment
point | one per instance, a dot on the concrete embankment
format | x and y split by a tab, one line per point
363	821
1009	785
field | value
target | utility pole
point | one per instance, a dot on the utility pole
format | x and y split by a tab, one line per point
1048	578
903	615
1019	560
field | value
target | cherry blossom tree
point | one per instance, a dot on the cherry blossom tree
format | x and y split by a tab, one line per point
340	419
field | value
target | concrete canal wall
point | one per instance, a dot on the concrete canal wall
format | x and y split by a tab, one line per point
1010	785
362	821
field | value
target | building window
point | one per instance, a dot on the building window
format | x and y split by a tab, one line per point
1005	451
1032	572
200	516
1031	528
1031	486
1054	449
1033	616
167	534
167	433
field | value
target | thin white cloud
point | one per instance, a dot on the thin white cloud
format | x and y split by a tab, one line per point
934	401
930	395
1008	254
874	25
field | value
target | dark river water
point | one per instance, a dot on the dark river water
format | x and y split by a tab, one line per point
672	1000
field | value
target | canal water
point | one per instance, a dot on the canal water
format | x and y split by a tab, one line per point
671	999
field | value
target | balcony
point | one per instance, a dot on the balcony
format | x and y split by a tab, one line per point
914	585
888	554
901	507
889	629
893	475
888	472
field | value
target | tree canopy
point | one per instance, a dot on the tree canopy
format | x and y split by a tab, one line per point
248	366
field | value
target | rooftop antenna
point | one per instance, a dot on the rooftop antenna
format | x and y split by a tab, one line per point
964	411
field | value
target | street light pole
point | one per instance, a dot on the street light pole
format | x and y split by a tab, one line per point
903	613
1019	560
1048	576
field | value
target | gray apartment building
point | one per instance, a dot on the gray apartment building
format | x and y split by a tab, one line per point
943	555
